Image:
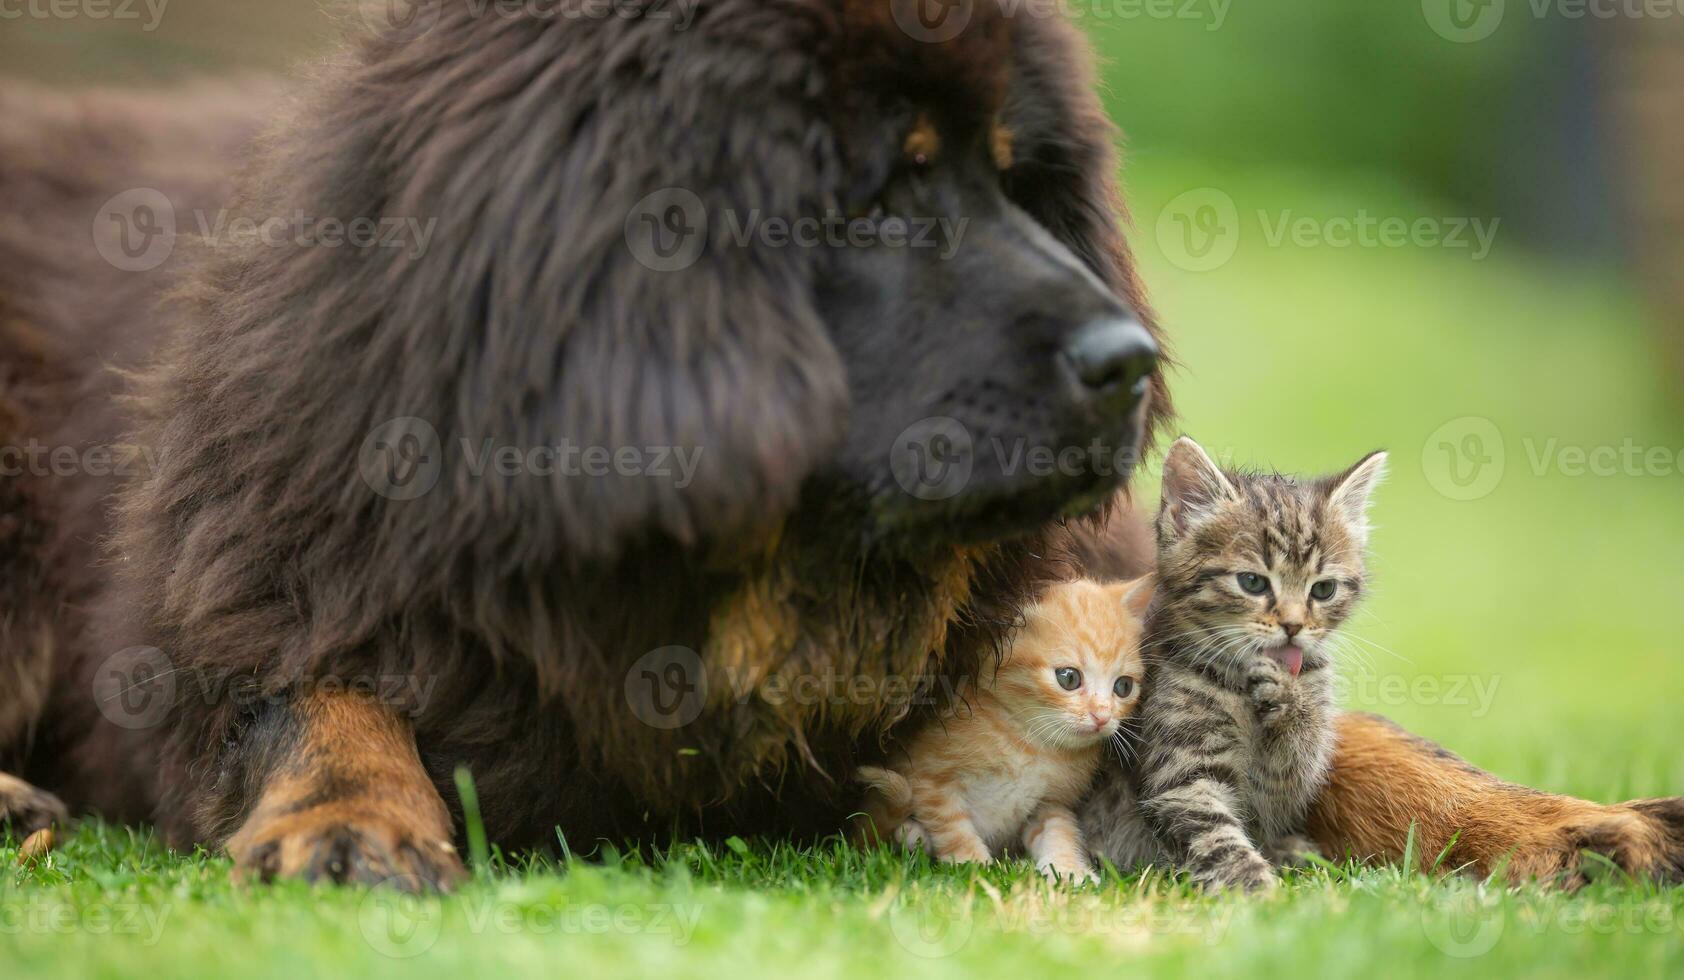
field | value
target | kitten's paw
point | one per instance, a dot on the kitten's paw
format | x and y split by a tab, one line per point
1292	852
912	836
973	852
1080	874
1270	690
1250	874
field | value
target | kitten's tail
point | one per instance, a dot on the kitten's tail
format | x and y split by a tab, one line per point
887	805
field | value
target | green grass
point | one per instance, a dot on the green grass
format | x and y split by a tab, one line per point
1534	630
1550	601
110	905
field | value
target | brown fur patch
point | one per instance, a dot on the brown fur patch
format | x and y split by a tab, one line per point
1384	780
349	802
923	144
1000	145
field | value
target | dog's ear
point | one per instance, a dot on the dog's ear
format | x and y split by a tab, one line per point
1062	168
662	374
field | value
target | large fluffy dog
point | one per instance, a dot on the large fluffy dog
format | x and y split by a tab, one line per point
341	563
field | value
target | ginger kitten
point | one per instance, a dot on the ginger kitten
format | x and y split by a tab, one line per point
1005	768
1255	573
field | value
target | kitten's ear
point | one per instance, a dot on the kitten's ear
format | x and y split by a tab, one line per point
1137	595
1193	486
1348	492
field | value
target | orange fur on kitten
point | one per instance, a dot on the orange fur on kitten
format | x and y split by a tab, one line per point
1005	768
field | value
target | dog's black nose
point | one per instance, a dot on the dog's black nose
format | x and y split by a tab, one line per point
1113	355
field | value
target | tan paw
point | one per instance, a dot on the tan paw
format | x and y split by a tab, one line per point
342	843
27	809
968	853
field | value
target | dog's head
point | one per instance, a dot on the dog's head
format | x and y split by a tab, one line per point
999	366
747	260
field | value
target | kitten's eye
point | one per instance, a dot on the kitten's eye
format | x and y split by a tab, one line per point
1253	583
1069	678
1124	687
1323	591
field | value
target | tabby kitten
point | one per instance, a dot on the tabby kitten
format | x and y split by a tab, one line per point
1255	574
1005	768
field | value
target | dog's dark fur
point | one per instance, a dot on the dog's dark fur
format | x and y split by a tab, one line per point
256	557
261	562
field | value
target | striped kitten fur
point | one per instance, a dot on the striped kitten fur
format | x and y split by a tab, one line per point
1255	574
1004	769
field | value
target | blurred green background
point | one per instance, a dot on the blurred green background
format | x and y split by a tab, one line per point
1528	609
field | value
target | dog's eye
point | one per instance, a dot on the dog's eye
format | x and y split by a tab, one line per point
1069	678
1124	687
1252	583
1324	590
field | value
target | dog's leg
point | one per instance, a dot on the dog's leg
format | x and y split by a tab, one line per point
1385	779
26	808
345	799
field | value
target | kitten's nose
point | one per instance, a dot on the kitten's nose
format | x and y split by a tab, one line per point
1100	719
1292	629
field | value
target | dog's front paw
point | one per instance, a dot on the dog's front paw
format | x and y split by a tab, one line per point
346	843
28	809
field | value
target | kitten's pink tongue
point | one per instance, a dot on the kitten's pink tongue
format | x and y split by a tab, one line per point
1290	657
